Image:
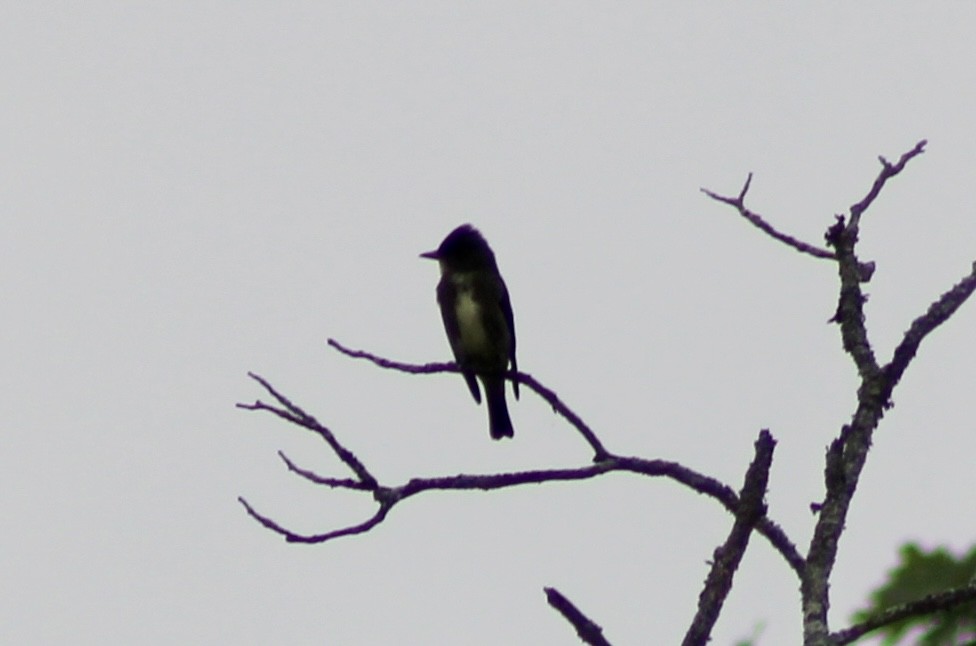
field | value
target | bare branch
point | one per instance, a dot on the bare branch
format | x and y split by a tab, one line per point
888	170
937	314
426	368
739	204
843	236
297	416
387	497
848	452
778	539
728	556
293	537
560	408
600	453
933	603
845	458
335	483
588	631
850	304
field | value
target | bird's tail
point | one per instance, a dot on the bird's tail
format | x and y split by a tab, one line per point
499	423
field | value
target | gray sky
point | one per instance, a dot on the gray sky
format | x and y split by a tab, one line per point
194	190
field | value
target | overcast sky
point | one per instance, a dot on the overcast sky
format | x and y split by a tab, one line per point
190	191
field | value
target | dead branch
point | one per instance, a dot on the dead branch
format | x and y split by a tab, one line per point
848	452
888	170
590	632
937	314
729	555
739	204
548	395
388	496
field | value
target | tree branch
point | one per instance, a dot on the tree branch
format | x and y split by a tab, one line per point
335	483
937	314
850	304
387	496
292	537
888	170
844	463
296	415
558	407
588	631
728	556
933	603
738	203
848	452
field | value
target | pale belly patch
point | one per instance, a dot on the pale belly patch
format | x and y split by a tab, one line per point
474	338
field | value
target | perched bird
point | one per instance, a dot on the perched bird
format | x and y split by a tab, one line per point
478	320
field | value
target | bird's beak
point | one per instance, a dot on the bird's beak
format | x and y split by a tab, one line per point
432	255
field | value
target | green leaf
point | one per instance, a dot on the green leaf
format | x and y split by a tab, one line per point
918	575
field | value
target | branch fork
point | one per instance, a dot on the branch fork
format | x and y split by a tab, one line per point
846	455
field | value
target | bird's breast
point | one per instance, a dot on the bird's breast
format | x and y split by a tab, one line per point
471	324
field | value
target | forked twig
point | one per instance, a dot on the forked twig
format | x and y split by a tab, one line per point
738	202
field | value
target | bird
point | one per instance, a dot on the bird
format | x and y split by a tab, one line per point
478	320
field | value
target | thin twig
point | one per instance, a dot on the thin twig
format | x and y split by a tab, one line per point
293	537
559	407
738	203
425	368
933	603
300	417
600	453
589	631
888	170
335	483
